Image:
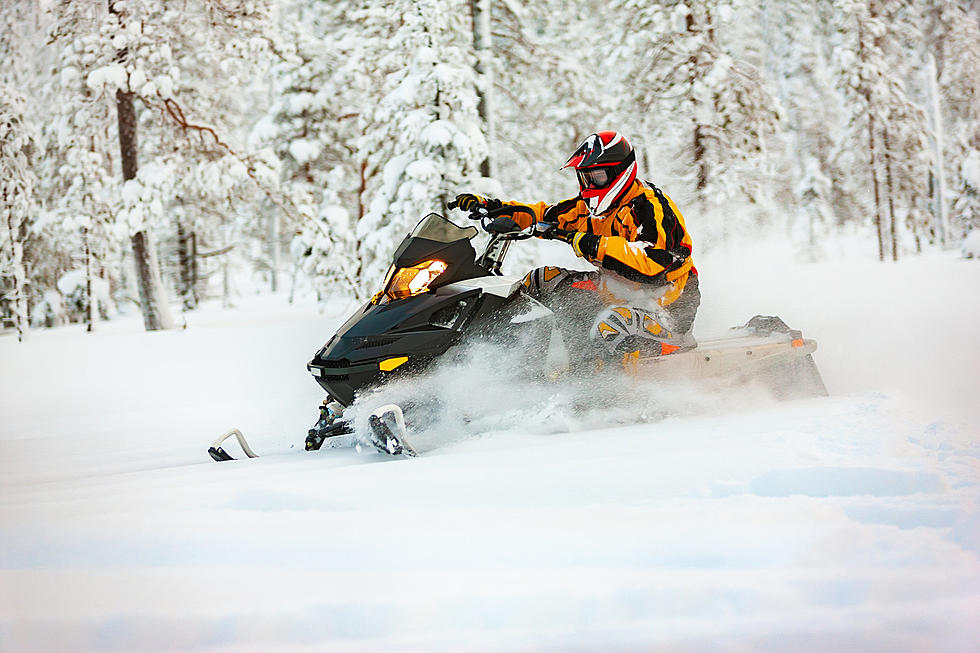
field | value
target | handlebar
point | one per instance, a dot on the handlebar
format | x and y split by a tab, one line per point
487	216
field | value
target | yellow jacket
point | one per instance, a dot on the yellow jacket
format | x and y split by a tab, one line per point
642	238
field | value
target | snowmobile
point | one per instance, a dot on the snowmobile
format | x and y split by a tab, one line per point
438	294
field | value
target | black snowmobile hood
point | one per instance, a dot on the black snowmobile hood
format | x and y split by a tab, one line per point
380	337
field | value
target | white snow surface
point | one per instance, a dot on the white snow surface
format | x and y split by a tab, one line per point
724	524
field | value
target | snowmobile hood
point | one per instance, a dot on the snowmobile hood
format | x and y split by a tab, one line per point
379	338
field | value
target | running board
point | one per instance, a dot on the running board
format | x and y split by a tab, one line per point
220	455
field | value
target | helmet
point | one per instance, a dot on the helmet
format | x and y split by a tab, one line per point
606	167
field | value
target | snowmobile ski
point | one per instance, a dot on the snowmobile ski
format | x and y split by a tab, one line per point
217	452
388	432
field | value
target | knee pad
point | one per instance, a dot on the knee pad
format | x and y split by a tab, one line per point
543	281
622	329
547	281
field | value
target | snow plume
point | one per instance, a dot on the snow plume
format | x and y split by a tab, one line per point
482	389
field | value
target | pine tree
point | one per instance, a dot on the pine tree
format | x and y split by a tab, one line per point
873	72
550	94
17	204
327	80
954	40
425	133
698	105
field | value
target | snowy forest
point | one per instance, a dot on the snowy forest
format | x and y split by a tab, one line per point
155	154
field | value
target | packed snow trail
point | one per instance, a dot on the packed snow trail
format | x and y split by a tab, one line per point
848	522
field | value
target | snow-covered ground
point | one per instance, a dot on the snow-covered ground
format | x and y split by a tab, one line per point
847	523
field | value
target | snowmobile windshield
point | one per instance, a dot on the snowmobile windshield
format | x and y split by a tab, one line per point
437	228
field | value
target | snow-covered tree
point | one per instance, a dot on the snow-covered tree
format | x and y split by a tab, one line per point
424	135
954	39
187	174
326	82
549	93
339	124
17	204
874	67
706	113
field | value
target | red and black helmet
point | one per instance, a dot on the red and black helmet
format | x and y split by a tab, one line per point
606	167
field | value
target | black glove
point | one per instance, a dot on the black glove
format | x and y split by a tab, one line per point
469	202
584	245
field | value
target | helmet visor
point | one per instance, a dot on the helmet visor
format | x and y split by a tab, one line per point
599	177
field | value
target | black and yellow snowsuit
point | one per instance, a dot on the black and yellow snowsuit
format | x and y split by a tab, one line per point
645	293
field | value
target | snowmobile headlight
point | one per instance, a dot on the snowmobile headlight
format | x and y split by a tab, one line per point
408	282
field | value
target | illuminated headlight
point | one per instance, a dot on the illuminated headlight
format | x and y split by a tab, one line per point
408	282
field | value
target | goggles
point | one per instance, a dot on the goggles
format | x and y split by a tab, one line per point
595	178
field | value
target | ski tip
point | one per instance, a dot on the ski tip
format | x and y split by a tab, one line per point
219	454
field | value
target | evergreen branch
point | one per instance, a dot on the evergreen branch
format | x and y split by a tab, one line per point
175	112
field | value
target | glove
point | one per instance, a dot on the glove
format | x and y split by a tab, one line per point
468	202
583	244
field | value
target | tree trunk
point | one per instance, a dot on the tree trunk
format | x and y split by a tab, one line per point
18	234
89	300
360	215
156	312
186	261
274	254
700	162
874	181
153	302
893	228
195	274
917	225
482	44
937	128
869	106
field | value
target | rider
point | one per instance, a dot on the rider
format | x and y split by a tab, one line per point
644	295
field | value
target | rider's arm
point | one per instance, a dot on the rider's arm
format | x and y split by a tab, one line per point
661	246
640	260
524	220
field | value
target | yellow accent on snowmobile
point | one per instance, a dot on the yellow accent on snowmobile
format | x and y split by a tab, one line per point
389	364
